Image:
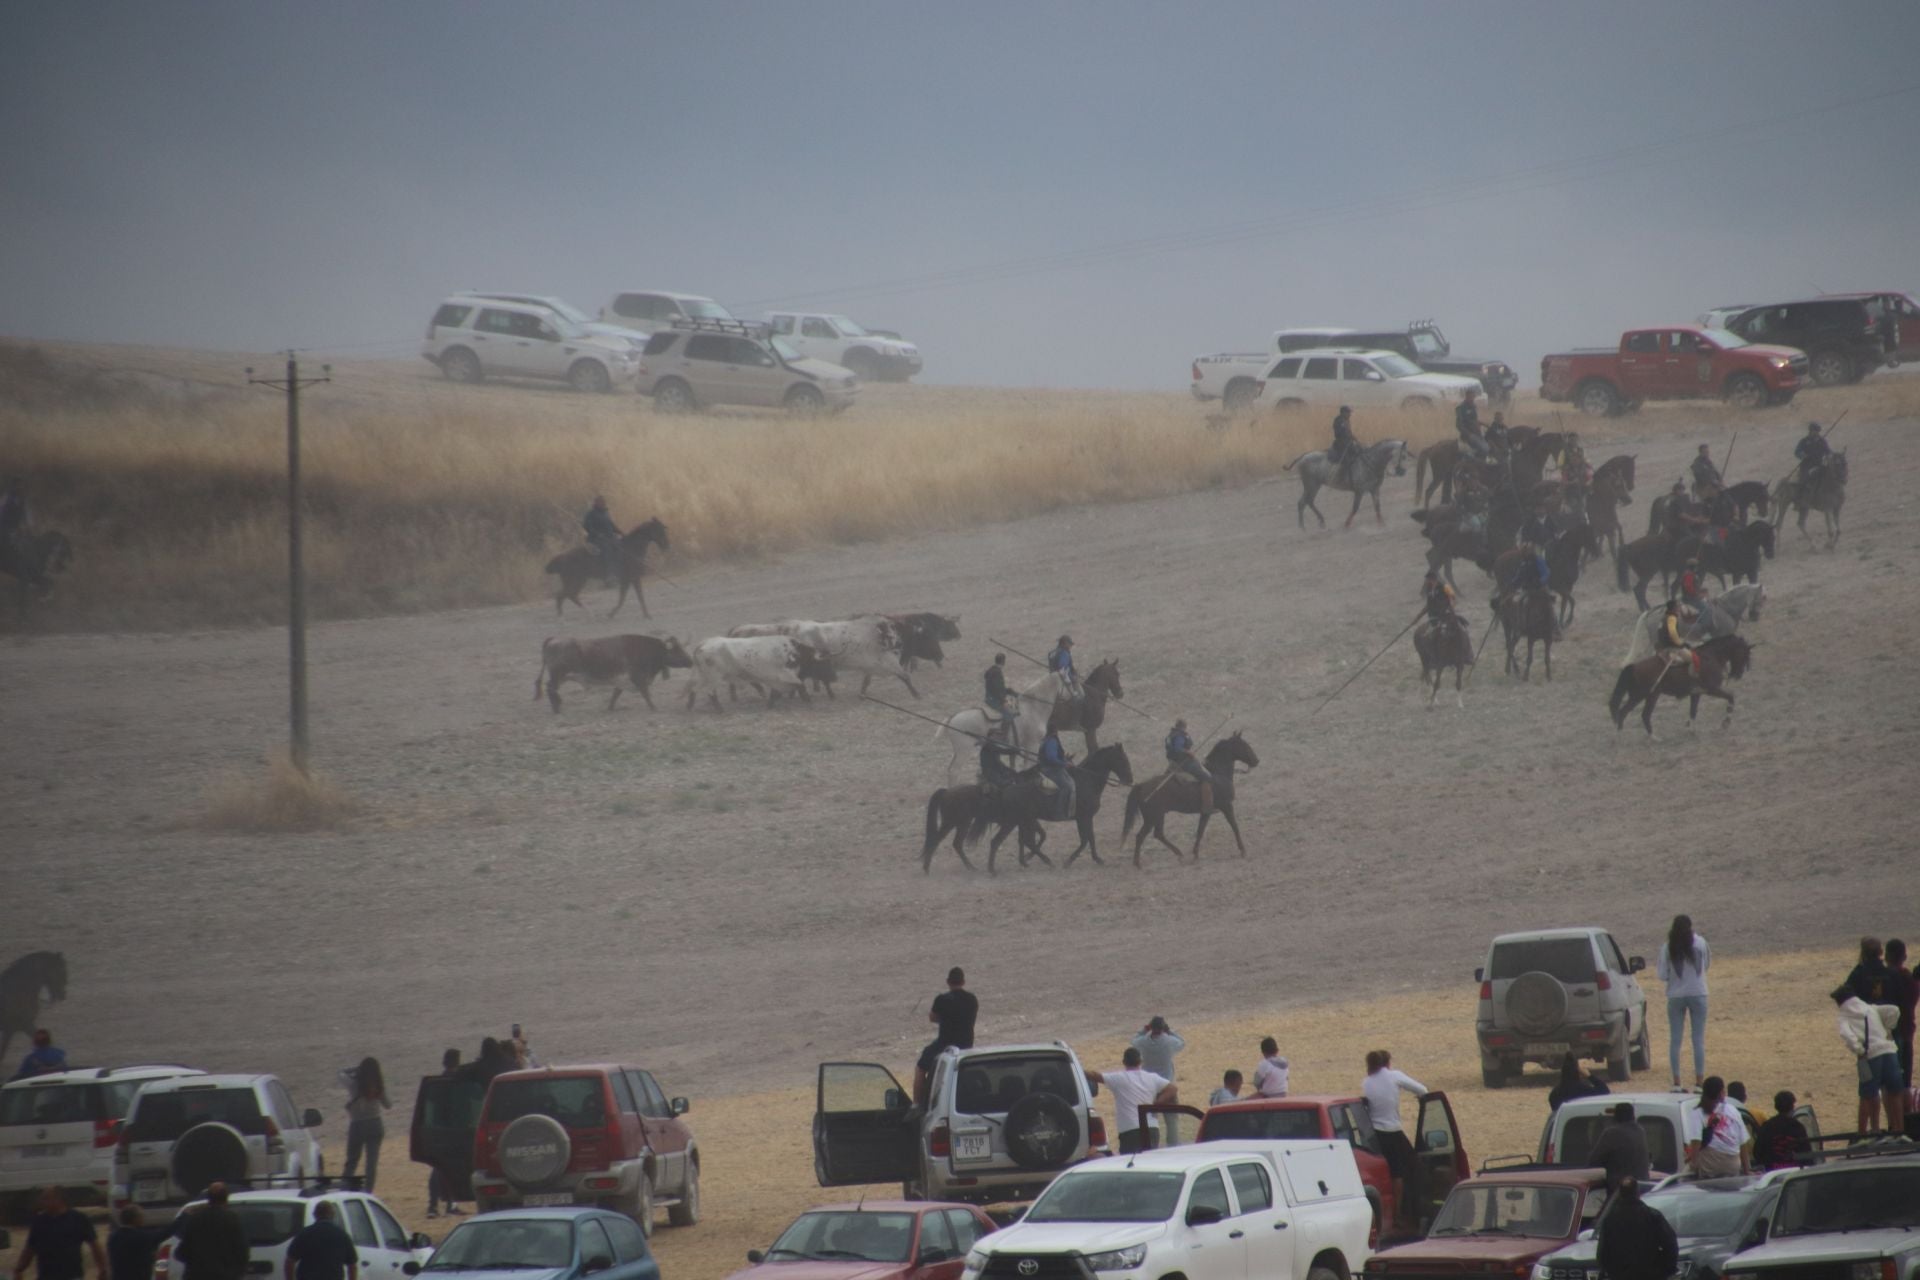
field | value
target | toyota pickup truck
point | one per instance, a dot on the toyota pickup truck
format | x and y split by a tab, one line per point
1852	1218
1677	362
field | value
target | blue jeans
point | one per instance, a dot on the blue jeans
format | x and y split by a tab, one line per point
1678	1007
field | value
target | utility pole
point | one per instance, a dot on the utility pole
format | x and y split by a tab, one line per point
296	571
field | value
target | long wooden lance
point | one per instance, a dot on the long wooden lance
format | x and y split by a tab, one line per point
1369	662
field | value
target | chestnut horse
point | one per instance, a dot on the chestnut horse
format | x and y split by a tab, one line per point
1151	802
1720	660
582	565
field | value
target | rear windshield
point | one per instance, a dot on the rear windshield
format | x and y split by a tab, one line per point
50	1104
1580	1132
270	1222
578	1102
1296	1123
1568	959
1860	1199
163	1117
990	1086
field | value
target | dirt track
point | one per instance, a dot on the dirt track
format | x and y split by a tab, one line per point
728	898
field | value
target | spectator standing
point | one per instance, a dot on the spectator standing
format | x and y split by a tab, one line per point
1683	962
366	1121
1635	1242
43	1059
1715	1133
1621	1148
1781	1140
1270	1077
322	1250
1867	1031
439	1187
522	1049
1382	1089
1229	1090
1158	1044
1870	976
132	1244
57	1240
953	1014
1132	1087
213	1242
1573	1084
1903	992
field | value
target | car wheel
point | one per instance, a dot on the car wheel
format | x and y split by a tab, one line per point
461	365
590	376
1619	1068
1830	368
687	1212
1597	399
1493	1076
642	1210
1323	1273
1416	402
1641	1058
1240	393
673	396
1746	391
805	402
862	364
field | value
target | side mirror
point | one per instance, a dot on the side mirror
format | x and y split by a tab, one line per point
1479	975
756	1256
598	1262
311	1118
409	1268
896	1100
1636	963
420	1240
679	1106
1201	1215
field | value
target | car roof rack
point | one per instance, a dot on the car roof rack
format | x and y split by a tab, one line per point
103	1072
701	324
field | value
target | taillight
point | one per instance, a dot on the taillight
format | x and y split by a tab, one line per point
940	1145
1601	980
162	1261
1486	989
1096	1132
1196	371
106	1133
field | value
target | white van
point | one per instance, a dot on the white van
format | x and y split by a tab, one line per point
60	1130
1570	1132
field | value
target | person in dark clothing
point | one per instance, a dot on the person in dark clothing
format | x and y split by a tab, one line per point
440	1187
1060	662
44	1058
1812	453
213	1242
1180	759
1621	1148
1903	993
603	535
1497	436
1573	1084
1871	980
132	1244
322	1250
1054	767
1340	452
1705	474
953	1013
57	1239
1635	1241
998	699
997	769
1466	424
1781	1141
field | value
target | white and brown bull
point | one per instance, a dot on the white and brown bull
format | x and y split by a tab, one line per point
774	664
873	644
593	663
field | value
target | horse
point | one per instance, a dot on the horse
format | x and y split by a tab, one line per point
34	559
1830	494
1604	501
1527	458
1451	542
1620	466
1088	712
1721	659
1738	556
1439	648
1750	494
581	565
1564	555
1646	557
1527	615
1026	806
1718	616
968	727
1151	802
1443	457
20	986
1369	469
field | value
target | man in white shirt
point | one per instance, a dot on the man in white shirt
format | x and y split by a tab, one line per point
1132	1088
1270	1077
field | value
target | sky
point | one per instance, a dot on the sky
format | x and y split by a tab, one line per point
1038	194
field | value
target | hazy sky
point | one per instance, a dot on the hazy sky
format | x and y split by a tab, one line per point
251	175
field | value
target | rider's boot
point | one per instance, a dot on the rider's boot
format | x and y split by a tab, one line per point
1206	798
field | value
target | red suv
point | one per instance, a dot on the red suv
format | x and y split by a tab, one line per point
595	1134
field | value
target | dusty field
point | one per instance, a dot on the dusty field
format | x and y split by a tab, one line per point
729	898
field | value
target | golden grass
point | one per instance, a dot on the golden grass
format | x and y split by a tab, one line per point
283	800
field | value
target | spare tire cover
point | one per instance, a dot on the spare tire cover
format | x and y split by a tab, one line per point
1042	1132
534	1150
1537	1004
209	1153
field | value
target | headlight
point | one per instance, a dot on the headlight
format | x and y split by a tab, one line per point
1779	362
1541	1271
1874	1270
976	1260
1119	1259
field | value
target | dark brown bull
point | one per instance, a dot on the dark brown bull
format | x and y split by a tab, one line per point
641	659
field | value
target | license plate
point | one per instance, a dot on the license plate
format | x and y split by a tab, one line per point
148	1190
1546	1048
548	1197
42	1152
972	1146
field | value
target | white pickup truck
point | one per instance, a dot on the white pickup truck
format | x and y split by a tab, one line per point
1275	1210
838	340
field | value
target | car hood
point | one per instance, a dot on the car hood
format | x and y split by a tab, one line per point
814	367
1832	1245
1457	1252
594	341
1453	382
893	346
1582	1252
823	1270
616	333
1084	1237
1462	362
1770	349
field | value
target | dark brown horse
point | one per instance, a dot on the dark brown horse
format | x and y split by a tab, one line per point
1750	495
1527	615
20	988
1151	802
1028	807
1738	557
1565	555
1443	456
1439	648
1089	712
1604	501
582	565
1826	495
1644	557
1721	659
1619	465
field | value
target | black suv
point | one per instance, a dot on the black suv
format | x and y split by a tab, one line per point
1842	340
1421	342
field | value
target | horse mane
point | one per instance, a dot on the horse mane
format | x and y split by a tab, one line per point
33	959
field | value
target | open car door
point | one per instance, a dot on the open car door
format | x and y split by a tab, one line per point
1157	1137
864	1127
446	1111
1439	1160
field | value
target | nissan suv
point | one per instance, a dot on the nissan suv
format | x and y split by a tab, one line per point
1557	992
186	1132
999	1123
61	1129
599	1134
698	363
1842	340
471	338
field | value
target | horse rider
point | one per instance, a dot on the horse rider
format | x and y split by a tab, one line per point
999	701
1690	589
1053	767
1439	599
1812	452
1060	662
1718	506
1537	532
1343	450
1497	435
1466	424
603	535
13	516
1670	644
997	770
1684	517
1705	474
1180	759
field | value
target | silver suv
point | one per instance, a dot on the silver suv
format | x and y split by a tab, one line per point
189	1131
1554	992
61	1130
707	362
471	338
999	1123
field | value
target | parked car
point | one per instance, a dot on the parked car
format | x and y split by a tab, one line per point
567	1242
1500	1222
1897	315
1714	1221
1680	362
1421	342
1717	317
838	340
872	1240
1850	1218
653	310
272	1217
185	1132
61	1130
471	339
598	1134
635	338
446	1119
1570	1131
700	363
1000	1122
1841	339
1367	380
1553	992
1216	1211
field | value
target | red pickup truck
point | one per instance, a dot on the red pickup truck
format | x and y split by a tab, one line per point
1439	1159
1677	362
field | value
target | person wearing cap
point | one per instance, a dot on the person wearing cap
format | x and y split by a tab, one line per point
953	1013
1466	424
43	1059
1811	456
1621	1148
1635	1241
1670	643
1060	662
1705	474
1180	759
603	535
1340	453
1158	1044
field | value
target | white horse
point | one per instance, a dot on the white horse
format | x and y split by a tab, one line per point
966	727
1369	470
1722	617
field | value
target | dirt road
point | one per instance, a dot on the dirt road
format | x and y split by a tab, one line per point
728	898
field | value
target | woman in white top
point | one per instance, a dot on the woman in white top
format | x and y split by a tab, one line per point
1381	1089
1716	1134
1683	962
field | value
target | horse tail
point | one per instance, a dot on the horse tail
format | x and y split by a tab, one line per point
1133	811
1620	567
1420	475
934	804
1290	466
1622	690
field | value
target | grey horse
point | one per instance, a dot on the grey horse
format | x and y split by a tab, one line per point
1369	470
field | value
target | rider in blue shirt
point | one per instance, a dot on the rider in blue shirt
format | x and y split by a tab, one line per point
1180	756
1053	766
43	1059
1060	662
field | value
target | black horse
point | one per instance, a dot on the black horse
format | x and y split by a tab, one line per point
1026	806
1738	557
1151	802
1751	494
20	988
581	565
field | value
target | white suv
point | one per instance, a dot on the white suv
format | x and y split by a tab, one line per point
185	1133
471	338
634	338
60	1130
1554	992
654	310
838	340
707	362
272	1217
1364	379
